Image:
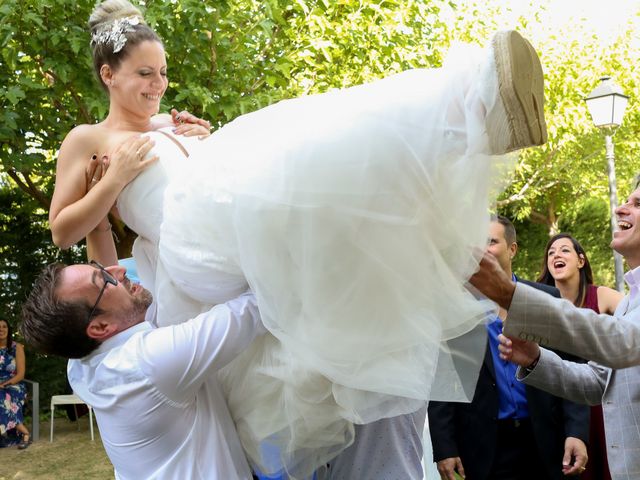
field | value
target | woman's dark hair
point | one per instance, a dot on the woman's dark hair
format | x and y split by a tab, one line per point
102	20
9	333
53	325
586	275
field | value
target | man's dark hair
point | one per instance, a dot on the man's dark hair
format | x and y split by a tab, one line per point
509	229
52	325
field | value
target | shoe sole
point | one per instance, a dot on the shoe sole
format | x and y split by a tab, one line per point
521	87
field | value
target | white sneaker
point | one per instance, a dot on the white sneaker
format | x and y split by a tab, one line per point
517	118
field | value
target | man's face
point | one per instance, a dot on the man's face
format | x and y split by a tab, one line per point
125	303
498	246
626	240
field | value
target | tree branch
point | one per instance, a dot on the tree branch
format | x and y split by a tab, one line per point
27	185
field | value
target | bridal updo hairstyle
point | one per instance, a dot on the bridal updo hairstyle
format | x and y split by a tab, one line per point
102	19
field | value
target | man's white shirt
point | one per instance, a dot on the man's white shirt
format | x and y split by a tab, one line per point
156	396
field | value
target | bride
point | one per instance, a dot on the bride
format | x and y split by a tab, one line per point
352	215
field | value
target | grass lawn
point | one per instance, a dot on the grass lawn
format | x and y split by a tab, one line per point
71	456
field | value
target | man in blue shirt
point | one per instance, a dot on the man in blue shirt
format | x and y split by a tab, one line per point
509	431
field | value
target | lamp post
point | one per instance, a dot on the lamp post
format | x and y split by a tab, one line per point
607	104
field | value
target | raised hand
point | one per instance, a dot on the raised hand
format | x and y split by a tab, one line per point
518	351
94	171
189	125
492	281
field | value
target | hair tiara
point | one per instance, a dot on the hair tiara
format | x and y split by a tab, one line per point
115	33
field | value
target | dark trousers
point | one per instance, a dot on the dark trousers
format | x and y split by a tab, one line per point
517	456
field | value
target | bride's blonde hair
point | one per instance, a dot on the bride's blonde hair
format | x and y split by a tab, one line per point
116	27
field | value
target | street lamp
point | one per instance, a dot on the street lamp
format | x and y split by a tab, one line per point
607	104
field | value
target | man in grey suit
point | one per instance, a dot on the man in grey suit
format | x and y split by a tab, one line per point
611	341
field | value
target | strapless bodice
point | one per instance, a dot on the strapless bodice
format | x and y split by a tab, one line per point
143	207
140	203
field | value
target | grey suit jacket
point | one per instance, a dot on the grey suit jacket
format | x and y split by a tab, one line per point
613	341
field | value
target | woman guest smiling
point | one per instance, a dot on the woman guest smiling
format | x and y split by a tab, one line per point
567	267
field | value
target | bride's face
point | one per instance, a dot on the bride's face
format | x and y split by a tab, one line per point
141	79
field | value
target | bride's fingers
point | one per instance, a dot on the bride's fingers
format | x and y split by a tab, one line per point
142	150
192	130
148	161
93	172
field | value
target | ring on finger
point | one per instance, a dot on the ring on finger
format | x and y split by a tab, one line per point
138	154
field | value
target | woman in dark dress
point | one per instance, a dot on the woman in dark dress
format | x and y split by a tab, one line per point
566	267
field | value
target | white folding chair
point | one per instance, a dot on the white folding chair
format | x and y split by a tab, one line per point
70	400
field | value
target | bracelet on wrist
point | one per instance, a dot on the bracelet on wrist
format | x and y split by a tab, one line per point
103	229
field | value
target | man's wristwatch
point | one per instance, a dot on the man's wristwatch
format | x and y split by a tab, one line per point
529	368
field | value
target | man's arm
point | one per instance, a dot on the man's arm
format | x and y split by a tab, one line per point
610	341
579	382
535	316
179	358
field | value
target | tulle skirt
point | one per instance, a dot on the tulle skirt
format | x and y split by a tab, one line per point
353	216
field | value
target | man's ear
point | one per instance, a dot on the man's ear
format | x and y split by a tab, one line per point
513	249
100	328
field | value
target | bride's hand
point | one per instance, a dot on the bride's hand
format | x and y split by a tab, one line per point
189	125
130	158
95	170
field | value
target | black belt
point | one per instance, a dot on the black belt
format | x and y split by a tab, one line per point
513	423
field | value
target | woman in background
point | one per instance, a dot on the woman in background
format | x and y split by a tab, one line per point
12	390
567	267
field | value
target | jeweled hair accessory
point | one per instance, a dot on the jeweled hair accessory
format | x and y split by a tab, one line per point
115	33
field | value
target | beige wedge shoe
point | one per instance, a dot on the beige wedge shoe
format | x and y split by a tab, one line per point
517	119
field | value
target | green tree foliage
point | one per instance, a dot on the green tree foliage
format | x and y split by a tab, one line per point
563	186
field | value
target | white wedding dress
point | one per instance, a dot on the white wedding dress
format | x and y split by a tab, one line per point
353	216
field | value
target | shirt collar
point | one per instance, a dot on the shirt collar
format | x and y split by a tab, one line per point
632	277
121	337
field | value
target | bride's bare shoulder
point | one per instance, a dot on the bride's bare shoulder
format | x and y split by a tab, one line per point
83	134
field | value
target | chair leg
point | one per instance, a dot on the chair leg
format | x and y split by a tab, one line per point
51	435
91	421
75	412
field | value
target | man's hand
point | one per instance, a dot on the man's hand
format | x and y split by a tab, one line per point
492	281
448	467
518	351
576	449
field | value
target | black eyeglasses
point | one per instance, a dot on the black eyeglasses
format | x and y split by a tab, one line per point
108	280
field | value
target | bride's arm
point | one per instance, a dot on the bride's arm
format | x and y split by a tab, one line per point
101	246
75	212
